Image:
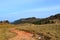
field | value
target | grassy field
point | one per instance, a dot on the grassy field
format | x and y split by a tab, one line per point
52	30
5	34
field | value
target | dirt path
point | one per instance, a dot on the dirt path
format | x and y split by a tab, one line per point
21	35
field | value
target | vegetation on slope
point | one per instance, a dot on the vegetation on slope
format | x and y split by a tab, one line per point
49	30
5	34
50	27
33	20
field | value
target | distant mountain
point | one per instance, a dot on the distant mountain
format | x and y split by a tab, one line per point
26	20
35	20
57	16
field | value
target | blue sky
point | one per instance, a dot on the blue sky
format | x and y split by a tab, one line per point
15	9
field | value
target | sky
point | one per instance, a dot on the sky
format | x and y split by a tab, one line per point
15	9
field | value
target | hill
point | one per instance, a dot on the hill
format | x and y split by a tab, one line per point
48	30
34	20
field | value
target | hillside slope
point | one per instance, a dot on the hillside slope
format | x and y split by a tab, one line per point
47	28
35	20
49	31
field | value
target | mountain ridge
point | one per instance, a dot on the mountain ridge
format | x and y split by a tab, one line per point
34	20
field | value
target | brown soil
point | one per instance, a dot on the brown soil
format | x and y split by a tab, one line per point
21	35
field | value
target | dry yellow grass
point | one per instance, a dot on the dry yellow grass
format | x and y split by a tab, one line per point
52	30
4	32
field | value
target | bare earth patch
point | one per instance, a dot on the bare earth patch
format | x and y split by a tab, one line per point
21	35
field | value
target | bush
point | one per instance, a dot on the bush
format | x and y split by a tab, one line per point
43	22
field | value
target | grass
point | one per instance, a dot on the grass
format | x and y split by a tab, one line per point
5	34
52	30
